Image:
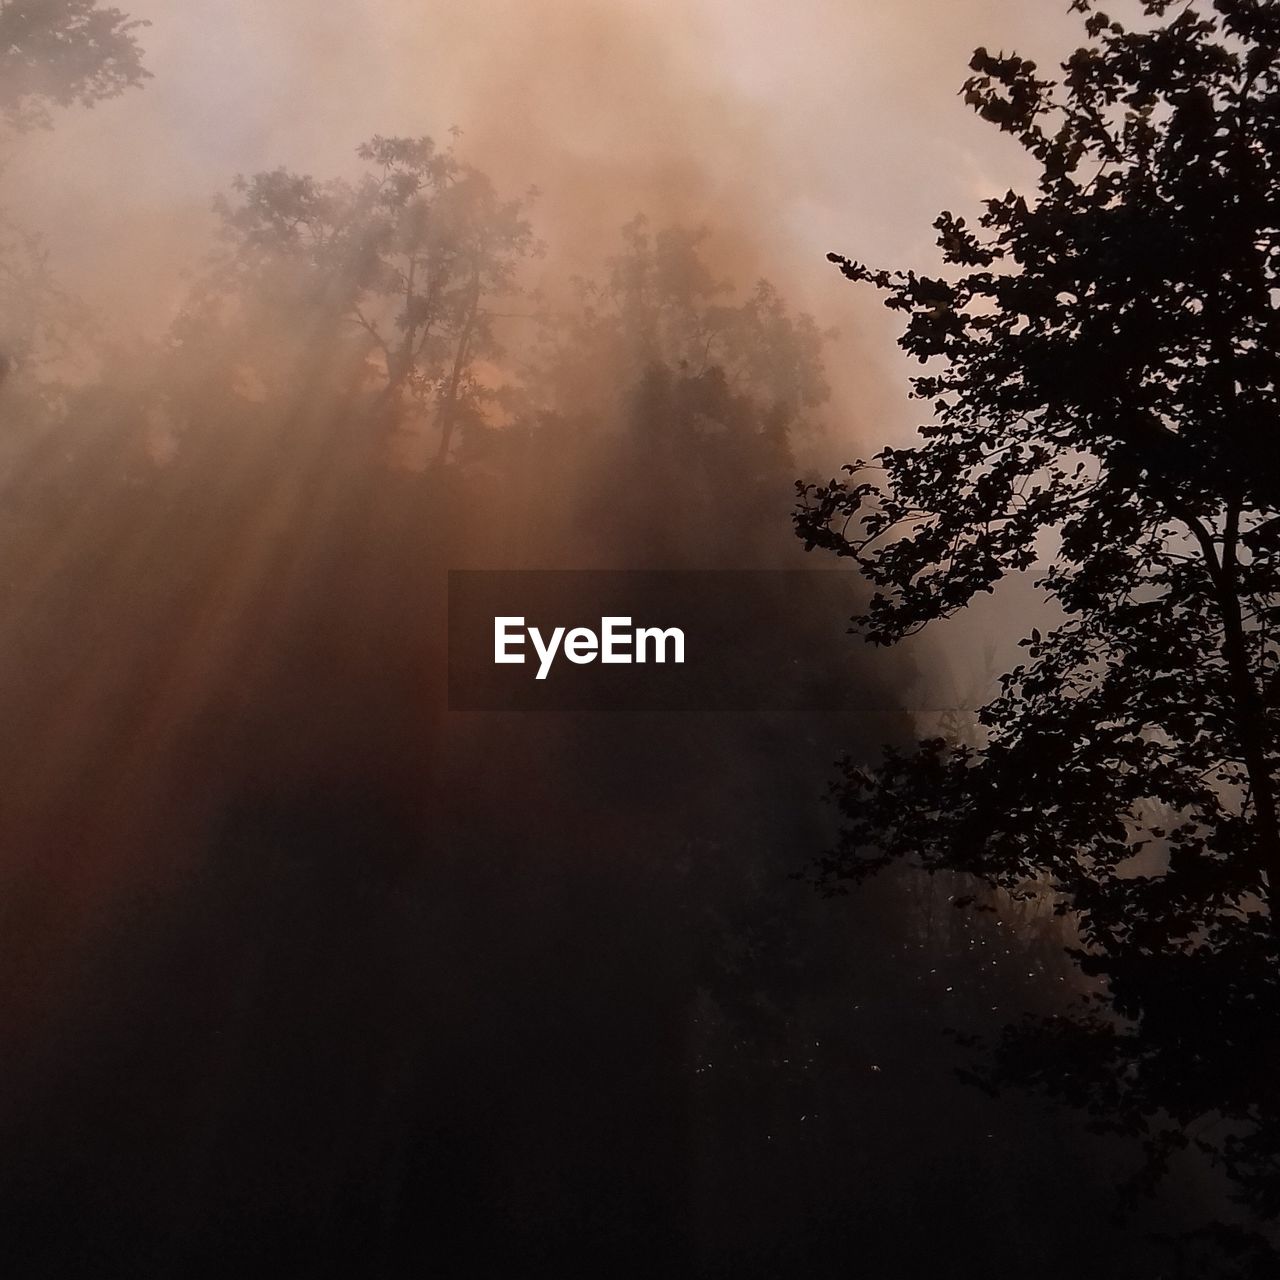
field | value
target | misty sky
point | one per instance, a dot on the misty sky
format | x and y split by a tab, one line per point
790	128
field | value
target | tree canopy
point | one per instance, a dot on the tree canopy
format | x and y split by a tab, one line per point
1101	389
659	376
58	53
403	266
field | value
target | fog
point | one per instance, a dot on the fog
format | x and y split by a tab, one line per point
307	973
823	126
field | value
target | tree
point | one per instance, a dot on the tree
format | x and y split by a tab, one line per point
1103	388
41	326
57	53
661	305
409	259
660	391
52	53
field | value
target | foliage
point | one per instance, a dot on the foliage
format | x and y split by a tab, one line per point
58	53
1102	387
52	53
660	304
42	328
655	390
406	262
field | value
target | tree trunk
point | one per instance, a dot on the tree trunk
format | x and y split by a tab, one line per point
1247	703
1250	716
449	404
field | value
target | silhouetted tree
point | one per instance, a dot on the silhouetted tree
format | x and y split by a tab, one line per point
41	324
410	258
56	53
1103	395
663	401
52	53
660	304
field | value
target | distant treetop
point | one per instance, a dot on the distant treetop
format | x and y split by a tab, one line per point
60	53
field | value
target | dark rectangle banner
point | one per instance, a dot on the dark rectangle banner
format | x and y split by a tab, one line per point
590	640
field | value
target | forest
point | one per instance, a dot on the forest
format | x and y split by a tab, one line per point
949	949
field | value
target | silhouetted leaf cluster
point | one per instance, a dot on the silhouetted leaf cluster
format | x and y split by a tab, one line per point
56	53
1103	385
